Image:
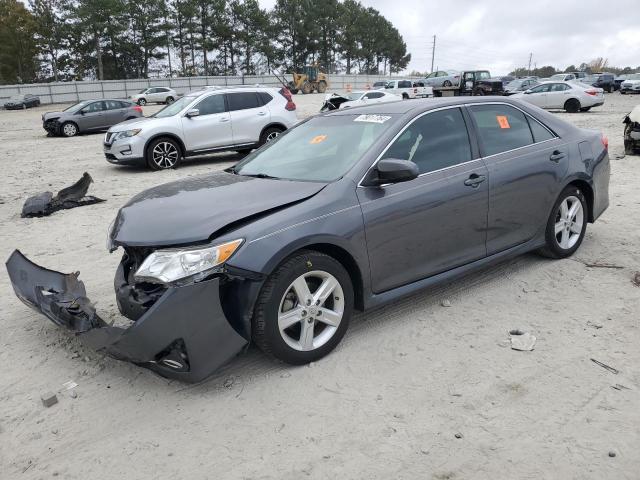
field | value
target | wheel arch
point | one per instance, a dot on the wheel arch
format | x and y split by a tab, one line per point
279	125
587	190
172	136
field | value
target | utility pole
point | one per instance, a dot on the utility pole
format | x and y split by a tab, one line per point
433	52
529	69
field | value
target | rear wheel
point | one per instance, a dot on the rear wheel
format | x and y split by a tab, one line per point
566	225
307	88
572	105
304	308
585	109
446	83
270	134
322	86
69	129
142	102
169	100
163	153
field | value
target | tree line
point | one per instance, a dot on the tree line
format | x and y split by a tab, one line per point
55	40
597	65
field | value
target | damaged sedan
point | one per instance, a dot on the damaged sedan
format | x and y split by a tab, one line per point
632	131
347	211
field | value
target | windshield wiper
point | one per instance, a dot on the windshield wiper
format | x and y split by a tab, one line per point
258	175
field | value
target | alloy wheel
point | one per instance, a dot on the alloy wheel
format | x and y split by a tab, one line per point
569	222
272	136
311	310
165	155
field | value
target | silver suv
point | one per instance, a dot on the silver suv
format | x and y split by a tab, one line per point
206	121
155	95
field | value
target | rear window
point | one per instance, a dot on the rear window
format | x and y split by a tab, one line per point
501	128
540	133
242	101
264	97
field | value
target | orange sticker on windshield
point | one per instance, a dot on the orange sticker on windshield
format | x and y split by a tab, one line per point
502	121
318	139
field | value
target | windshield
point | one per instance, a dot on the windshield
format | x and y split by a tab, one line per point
175	107
322	149
75	108
515	83
557	76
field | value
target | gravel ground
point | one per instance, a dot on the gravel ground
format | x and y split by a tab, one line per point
415	390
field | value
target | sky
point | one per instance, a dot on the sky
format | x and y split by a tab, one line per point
499	35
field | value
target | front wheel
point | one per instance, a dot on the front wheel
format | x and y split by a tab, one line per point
163	153
304	308
69	129
142	102
567	224
446	83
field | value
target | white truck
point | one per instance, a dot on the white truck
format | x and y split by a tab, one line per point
409	88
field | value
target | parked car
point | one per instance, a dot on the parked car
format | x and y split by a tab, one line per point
578	75
334	101
421	89
562	77
402	88
632	131
519	85
631	84
89	116
205	121
442	78
379	85
336	215
570	96
155	95
22	101
474	82
600	80
618	81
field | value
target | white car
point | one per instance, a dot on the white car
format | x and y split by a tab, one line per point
409	89
206	121
569	96
631	84
155	95
562	77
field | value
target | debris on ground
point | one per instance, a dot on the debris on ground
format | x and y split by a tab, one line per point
69	385
619	386
445	303
522	341
44	204
49	399
605	366
612	454
595	325
458	435
603	265
636	279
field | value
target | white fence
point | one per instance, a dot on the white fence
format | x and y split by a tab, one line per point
67	92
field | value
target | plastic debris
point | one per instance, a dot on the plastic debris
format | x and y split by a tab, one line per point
445	303
615	371
522	341
49	399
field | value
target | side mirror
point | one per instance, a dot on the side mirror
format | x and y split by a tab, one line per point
392	170
194	112
82	112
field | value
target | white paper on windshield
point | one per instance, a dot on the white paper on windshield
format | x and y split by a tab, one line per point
372	118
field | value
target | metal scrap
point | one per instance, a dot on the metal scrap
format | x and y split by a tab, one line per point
605	366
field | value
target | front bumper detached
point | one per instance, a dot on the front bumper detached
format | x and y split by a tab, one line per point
184	335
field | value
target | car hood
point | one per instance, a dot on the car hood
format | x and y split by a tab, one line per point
633	82
194	209
48	115
129	124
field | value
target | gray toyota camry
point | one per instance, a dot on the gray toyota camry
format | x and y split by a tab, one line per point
344	212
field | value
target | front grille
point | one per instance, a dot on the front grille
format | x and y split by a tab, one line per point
107	138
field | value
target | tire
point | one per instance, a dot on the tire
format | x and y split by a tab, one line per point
322	86
142	102
446	83
307	88
405	96
69	129
245	151
478	92
585	109
169	100
309	270
163	153
572	105
565	231
269	134
622	93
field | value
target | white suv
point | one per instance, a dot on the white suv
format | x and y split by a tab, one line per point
154	95
206	121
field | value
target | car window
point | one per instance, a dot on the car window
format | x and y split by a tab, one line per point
242	101
484	75
541	88
375	94
124	105
210	105
558	87
112	104
94	107
404	84
434	141
264	97
540	133
501	128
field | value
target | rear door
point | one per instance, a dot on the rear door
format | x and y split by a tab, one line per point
248	116
526	163
114	113
435	222
211	128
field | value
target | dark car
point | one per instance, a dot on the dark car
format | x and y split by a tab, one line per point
606	81
379	85
347	211
632	131
520	85
90	116
22	101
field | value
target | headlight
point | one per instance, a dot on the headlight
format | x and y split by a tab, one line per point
126	134
110	246
167	266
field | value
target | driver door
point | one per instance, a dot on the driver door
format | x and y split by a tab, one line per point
92	116
211	128
538	95
432	223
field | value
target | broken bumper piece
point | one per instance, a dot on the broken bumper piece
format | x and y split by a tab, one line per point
184	335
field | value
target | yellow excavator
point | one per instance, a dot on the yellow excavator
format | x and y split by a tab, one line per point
308	81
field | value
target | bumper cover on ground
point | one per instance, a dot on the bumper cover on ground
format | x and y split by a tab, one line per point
184	335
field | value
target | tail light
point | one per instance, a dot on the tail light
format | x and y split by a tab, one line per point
591	92
605	142
138	108
415	90
290	106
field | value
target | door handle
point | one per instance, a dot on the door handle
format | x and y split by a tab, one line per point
474	180
262	114
224	119
556	156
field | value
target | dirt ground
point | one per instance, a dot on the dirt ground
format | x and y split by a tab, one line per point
415	390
